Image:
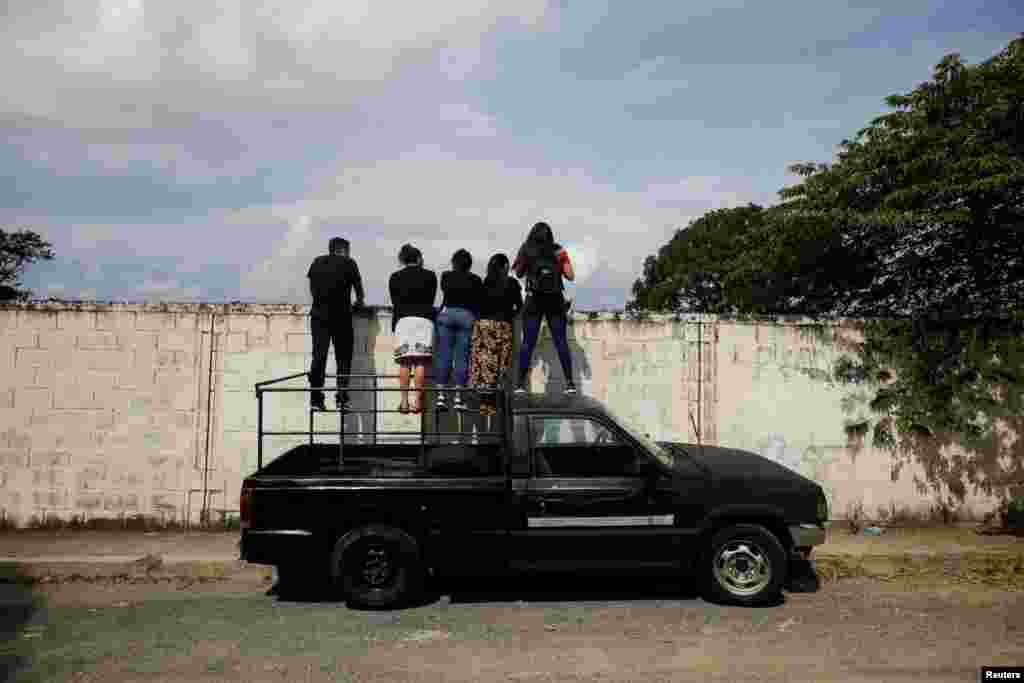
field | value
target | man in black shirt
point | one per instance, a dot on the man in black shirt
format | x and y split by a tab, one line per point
332	277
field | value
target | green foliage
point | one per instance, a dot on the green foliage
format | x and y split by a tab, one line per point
689	273
18	249
917	231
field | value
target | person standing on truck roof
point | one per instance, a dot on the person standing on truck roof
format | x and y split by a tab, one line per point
413	289
332	277
462	291
544	262
500	303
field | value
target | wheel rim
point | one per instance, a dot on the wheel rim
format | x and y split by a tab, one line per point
377	567
742	568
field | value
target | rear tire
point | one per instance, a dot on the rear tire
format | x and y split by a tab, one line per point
745	565
378	567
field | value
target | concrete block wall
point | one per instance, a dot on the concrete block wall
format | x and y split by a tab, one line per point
121	409
99	416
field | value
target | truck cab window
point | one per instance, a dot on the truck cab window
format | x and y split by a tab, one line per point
580	447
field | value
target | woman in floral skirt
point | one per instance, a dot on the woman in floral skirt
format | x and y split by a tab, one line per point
492	334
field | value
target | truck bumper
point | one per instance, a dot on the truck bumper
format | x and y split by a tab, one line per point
807	535
802	577
274	546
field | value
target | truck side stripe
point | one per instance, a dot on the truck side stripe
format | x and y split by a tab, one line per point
561	522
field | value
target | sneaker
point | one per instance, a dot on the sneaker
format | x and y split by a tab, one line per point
442	402
570	389
459	405
520	390
317	403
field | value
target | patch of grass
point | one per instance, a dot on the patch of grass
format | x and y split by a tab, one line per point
151	634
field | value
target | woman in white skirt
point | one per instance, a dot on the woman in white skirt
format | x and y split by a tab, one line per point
413	290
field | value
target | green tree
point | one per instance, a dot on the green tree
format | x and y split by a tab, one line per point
689	272
917	232
18	249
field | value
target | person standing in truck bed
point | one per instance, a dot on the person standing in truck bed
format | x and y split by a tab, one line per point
544	263
459	310
413	289
332	277
500	303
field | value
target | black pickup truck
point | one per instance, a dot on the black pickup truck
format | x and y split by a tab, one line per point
556	483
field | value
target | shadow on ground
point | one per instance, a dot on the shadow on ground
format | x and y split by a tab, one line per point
525	587
564	588
18	603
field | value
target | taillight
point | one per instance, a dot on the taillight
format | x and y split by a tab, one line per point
245	507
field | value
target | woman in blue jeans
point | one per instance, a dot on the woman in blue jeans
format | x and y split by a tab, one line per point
545	264
462	291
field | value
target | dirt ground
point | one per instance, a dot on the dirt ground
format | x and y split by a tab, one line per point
911	605
70	543
851	631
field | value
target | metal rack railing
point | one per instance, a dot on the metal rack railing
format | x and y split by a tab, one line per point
501	394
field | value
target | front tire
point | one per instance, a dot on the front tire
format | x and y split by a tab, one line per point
378	567
745	565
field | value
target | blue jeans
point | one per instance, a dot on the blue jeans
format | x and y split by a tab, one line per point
454	333
557	323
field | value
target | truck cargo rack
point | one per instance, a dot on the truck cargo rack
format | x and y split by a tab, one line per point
429	414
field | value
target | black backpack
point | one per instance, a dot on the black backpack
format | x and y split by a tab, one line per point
545	275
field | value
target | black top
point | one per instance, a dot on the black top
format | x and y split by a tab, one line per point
331	281
461	290
502	303
413	290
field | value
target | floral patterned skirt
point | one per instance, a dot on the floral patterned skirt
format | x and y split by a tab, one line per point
492	353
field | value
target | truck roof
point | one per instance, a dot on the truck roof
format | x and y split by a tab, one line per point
539	403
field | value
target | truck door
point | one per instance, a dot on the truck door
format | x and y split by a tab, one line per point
591	500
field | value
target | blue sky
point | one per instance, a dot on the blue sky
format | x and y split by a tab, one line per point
206	150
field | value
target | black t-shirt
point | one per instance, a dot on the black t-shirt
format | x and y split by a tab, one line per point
501	303
332	279
462	290
413	290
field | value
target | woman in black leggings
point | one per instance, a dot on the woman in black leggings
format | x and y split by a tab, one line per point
544	263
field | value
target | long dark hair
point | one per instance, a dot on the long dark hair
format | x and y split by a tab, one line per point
540	241
462	261
497	279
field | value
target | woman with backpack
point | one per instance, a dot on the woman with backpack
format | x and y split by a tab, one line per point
544	263
492	334
462	290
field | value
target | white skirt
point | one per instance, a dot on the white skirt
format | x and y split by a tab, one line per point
415	339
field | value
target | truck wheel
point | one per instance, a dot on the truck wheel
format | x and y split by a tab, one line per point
745	565
377	567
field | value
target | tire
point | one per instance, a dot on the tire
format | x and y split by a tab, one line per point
745	565
377	567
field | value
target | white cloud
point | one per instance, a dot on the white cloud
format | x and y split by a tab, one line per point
167	290
114	64
281	275
441	203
